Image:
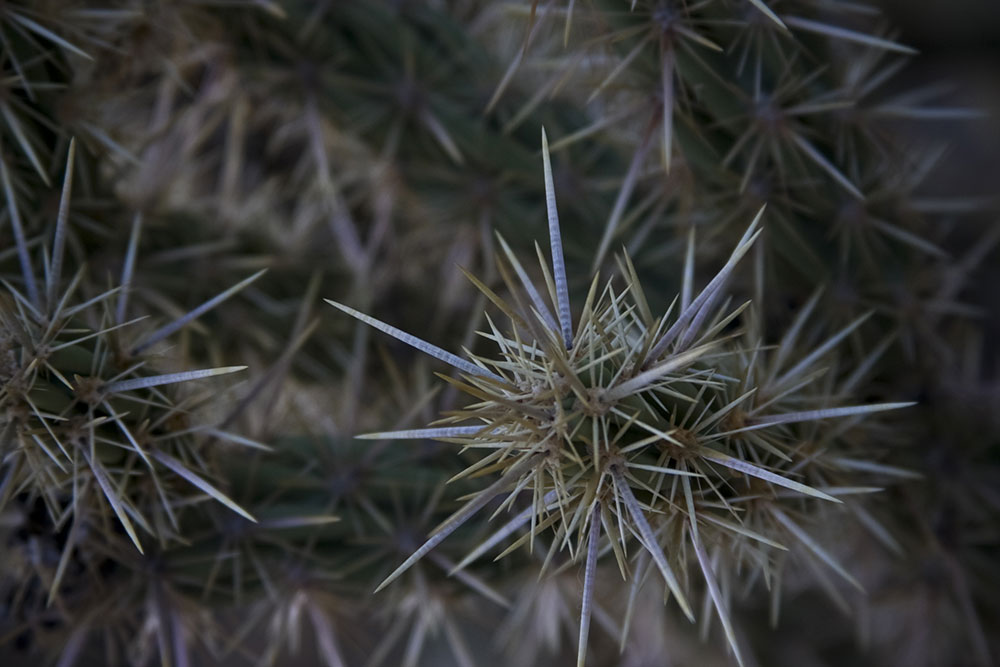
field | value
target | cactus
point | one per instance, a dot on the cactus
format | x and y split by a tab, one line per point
707	404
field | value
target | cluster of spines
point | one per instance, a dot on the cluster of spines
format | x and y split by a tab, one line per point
587	420
104	448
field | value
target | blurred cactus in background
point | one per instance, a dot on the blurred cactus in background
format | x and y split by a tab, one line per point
668	417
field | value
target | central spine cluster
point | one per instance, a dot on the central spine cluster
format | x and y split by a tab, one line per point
681	432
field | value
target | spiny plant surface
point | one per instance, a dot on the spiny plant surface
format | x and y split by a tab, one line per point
90	429
359	150
716	107
678	432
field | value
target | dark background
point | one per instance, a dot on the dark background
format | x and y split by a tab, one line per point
959	44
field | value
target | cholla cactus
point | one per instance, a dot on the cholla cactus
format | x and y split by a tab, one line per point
89	427
358	150
674	431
